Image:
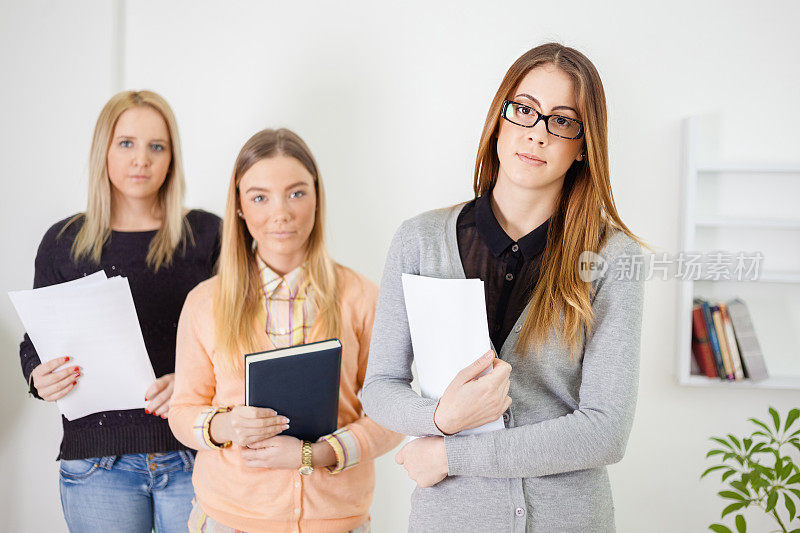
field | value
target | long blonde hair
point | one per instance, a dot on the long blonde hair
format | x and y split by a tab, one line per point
238	296
96	227
584	211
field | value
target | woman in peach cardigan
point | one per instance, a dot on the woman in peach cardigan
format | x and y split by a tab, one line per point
276	287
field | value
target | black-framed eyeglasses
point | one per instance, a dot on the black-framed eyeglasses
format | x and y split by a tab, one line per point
527	117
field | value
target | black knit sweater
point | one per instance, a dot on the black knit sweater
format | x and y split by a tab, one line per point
158	297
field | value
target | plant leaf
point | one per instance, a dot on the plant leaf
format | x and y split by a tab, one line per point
728	474
741	486
733	507
747	443
787	501
794	479
731	495
711	469
790	418
772	499
735	441
762	424
776	418
714	452
723	442
719	528
741	525
796	492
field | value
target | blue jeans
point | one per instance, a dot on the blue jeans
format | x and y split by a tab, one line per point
133	493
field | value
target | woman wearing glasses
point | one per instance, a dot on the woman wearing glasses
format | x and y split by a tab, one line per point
277	286
566	339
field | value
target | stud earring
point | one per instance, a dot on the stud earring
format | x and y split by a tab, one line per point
239	212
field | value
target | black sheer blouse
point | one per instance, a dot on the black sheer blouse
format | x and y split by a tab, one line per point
509	269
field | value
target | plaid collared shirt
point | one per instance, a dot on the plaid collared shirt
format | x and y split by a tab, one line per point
289	317
290	312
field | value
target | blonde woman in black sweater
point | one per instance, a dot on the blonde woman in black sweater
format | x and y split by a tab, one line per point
124	470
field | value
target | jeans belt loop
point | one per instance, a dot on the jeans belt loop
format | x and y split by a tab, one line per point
107	461
188	460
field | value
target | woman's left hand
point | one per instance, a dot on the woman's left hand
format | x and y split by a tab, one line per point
425	460
158	396
278	452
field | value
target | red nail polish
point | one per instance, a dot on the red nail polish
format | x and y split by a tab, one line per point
76	369
67	359
146	411
77	374
74	382
145	398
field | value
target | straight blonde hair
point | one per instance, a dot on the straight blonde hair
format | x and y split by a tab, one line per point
238	296
96	227
584	211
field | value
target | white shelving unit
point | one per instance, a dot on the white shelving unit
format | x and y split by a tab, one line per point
695	220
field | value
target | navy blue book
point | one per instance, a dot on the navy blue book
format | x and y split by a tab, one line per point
299	382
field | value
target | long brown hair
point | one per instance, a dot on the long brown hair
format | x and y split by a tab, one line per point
238	296
585	209
96	227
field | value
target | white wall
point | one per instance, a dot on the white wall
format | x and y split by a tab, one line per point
391	98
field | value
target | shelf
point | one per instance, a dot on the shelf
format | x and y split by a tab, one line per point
700	225
772	382
748	168
759	223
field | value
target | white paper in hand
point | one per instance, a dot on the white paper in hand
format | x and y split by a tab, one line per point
93	320
449	330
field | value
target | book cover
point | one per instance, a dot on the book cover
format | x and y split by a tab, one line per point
723	345
730	338
701	346
299	382
712	338
749	348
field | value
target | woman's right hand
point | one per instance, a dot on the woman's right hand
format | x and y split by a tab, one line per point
244	425
52	384
471	401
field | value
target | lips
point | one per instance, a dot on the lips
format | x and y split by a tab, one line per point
531	159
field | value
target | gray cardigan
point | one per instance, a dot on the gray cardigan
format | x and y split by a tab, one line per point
546	471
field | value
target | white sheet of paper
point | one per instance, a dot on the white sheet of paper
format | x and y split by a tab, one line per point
93	320
449	330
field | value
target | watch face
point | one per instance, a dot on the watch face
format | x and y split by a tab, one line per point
306	470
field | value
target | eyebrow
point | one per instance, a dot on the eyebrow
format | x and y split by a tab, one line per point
256	188
133	137
529	97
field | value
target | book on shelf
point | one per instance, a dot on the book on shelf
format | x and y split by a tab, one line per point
716	316
749	348
724	343
730	337
701	345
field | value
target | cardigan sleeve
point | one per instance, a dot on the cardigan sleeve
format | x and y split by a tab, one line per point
373	439
597	432
195	382
387	395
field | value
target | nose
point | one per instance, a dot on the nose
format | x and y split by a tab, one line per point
141	158
281	212
538	133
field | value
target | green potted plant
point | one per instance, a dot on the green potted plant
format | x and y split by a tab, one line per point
759	473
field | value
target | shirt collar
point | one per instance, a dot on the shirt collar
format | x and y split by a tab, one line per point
496	238
272	281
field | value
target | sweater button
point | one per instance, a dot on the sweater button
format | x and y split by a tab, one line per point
520	511
153	466
506	417
517	329
509	276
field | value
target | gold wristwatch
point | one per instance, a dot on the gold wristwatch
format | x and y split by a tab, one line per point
305	466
